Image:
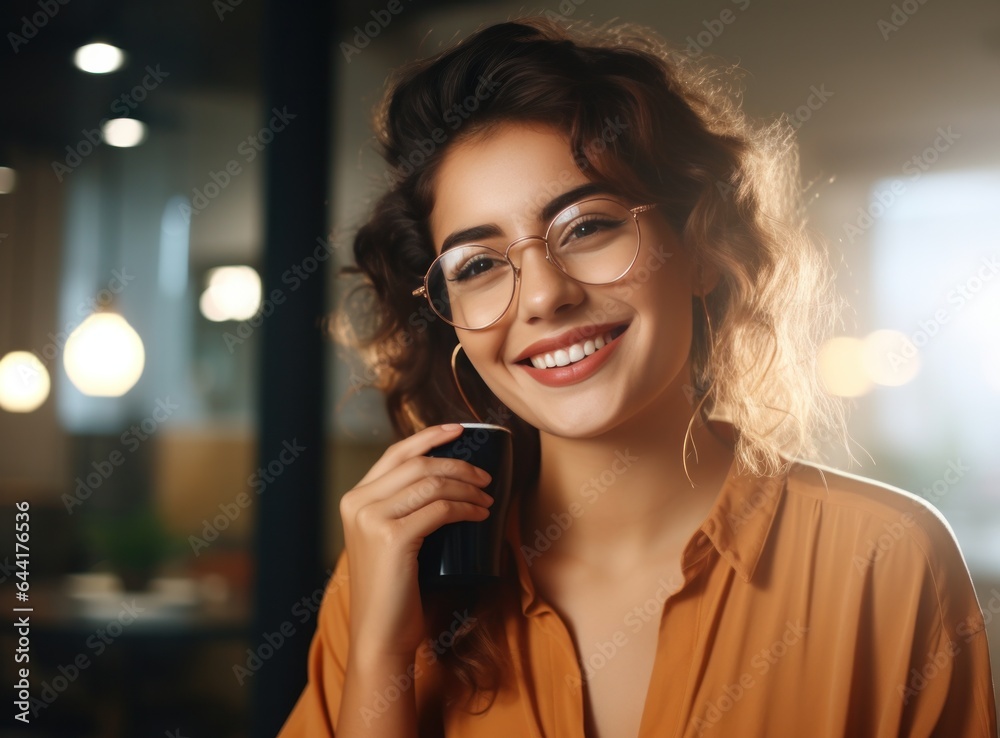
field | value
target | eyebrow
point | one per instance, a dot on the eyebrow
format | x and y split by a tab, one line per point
551	209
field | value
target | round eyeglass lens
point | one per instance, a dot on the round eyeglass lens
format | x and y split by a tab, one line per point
595	241
470	286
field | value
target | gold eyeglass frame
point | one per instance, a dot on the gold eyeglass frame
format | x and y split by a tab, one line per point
636	211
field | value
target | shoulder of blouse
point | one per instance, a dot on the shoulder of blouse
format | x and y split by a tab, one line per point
876	501
899	531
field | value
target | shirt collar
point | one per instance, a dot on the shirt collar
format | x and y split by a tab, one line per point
738	526
740	521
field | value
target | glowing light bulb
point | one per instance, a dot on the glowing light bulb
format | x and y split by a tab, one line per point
104	356
124	132
99	58
24	382
233	293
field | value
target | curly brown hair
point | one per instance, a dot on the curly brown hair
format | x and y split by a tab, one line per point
728	186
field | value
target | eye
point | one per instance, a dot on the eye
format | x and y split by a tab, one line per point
588	227
475	266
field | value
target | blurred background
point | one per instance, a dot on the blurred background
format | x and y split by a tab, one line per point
179	182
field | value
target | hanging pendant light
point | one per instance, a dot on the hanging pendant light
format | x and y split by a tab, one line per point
104	356
24	382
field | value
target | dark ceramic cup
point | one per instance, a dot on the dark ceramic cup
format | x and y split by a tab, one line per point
468	552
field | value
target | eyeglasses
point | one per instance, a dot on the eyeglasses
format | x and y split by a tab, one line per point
594	241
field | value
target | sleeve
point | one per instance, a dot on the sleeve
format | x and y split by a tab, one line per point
947	689
315	713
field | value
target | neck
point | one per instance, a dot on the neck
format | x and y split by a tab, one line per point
622	496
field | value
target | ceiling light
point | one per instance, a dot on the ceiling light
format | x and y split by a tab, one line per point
233	293
99	58
124	132
104	356
24	382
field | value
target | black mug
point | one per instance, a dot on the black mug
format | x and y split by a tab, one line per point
468	552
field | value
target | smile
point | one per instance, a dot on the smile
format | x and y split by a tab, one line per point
573	363
576	352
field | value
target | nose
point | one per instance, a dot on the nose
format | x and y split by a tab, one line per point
543	289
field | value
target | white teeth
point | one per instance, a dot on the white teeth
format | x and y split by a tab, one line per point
570	354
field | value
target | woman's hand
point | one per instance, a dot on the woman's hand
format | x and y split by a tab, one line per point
404	497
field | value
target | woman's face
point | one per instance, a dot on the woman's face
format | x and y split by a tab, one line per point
505	180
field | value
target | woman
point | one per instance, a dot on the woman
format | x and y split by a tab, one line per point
622	259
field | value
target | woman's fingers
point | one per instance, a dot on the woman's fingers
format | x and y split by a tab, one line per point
419	470
427	519
433	489
416	511
416	445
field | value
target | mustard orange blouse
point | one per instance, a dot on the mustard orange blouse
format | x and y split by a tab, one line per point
815	604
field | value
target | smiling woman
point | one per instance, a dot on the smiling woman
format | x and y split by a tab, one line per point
622	257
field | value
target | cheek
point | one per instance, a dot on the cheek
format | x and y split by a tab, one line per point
484	350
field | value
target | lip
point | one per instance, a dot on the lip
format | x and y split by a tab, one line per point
578	371
566	339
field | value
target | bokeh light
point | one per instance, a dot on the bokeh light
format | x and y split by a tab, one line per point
104	356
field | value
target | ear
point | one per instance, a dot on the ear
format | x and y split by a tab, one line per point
705	279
